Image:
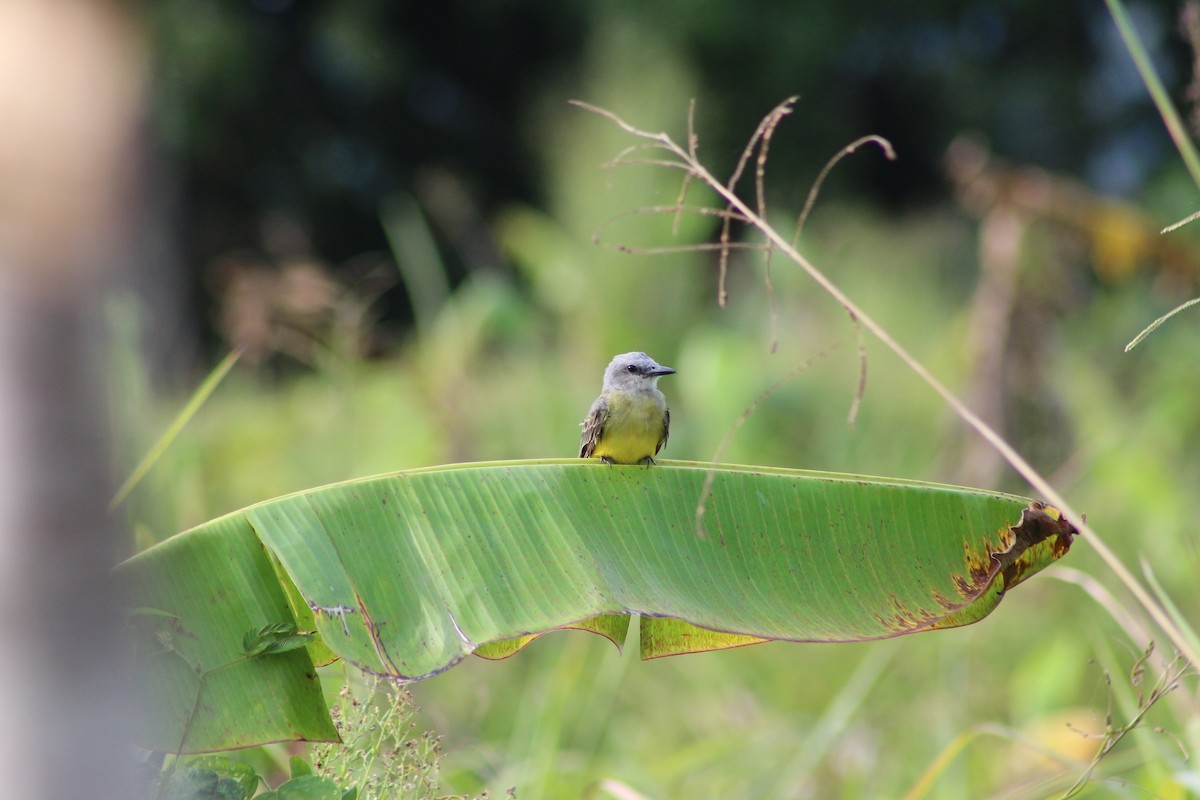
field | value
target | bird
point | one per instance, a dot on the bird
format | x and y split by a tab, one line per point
629	422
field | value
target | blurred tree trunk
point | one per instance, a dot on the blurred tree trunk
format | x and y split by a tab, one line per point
71	90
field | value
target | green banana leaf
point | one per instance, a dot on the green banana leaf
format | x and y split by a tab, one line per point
406	574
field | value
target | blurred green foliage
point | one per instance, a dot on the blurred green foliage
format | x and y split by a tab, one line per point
297	112
509	360
570	711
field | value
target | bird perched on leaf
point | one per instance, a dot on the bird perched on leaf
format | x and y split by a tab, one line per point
629	422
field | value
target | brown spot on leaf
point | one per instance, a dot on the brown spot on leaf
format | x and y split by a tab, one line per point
902	619
980	564
373	630
944	601
1039	523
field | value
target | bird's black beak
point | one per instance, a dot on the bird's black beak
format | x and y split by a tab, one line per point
660	371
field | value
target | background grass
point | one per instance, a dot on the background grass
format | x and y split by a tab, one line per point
506	363
772	720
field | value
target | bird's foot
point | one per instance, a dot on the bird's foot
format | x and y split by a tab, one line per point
648	461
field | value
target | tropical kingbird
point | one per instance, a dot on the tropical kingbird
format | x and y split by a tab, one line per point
629	422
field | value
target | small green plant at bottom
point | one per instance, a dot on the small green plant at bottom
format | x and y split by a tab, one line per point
382	756
381	753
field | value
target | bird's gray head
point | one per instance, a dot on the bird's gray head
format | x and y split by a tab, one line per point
633	372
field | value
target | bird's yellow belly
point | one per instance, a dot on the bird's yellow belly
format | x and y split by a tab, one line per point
633	430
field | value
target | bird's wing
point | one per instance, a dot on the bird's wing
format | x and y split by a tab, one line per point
593	427
666	430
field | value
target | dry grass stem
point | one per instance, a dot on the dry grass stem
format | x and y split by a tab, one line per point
1166	683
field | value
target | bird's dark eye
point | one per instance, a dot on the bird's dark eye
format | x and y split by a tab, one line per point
632	368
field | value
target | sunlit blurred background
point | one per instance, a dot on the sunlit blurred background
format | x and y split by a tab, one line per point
392	210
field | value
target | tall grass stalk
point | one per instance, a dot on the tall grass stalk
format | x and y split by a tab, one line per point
1162	101
193	404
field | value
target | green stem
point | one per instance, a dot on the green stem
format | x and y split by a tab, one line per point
1166	108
